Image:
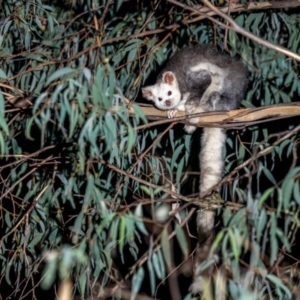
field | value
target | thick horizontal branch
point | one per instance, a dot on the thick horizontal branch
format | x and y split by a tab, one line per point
234	118
244	115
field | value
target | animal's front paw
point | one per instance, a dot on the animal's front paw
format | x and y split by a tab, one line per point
172	113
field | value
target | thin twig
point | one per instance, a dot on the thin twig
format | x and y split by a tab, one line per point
119	184
237	28
254	157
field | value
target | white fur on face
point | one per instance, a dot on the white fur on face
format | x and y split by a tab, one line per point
164	96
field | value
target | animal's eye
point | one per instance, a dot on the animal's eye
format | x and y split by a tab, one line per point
169	93
159	99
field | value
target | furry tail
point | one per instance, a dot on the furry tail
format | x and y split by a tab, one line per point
210	157
211	164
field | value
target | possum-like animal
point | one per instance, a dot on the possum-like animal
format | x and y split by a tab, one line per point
199	79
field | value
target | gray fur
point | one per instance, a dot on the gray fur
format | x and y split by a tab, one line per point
234	76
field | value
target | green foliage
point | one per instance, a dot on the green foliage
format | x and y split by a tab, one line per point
84	182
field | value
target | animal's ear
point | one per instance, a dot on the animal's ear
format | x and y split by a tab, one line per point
148	92
169	78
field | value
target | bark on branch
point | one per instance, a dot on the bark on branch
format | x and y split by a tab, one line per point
245	116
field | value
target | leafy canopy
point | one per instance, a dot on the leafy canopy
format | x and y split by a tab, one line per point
85	184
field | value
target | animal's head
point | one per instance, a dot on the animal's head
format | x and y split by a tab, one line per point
166	94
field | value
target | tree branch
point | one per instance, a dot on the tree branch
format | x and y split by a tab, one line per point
228	119
252	6
237	28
